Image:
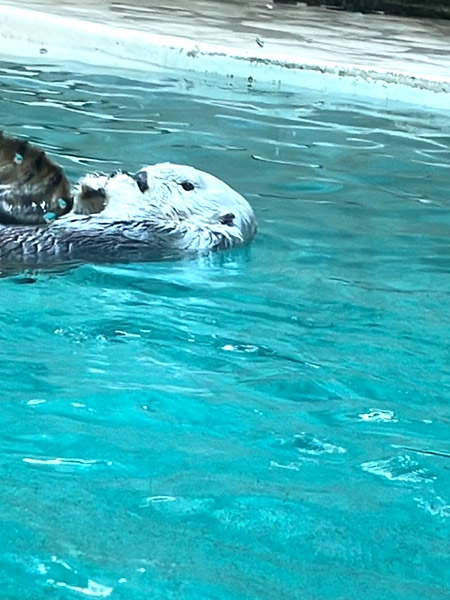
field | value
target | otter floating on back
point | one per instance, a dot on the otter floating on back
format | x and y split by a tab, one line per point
164	211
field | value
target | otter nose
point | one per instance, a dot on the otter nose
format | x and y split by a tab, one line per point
141	180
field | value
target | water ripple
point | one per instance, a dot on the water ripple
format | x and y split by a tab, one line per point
66	464
399	468
434	506
59	574
306	443
379	416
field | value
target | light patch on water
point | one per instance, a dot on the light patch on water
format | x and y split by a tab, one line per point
36	401
398	468
42	569
79	337
436	506
127	334
240	348
292	466
156	499
378	415
62	562
305	443
65	462
93	589
179	505
284	162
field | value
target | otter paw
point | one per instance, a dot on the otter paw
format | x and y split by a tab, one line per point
90	195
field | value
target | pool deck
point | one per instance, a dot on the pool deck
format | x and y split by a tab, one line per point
272	46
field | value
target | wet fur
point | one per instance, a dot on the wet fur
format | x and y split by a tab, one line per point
33	190
164	211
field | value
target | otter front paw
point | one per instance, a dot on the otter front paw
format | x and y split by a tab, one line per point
90	194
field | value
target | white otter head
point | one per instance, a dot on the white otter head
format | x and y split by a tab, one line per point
203	210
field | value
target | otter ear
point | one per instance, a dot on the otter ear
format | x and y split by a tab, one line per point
33	190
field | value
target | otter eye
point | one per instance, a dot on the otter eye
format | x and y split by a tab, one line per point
187	186
142	181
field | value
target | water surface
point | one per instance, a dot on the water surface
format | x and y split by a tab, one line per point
268	423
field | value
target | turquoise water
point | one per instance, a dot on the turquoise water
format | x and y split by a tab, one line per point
272	423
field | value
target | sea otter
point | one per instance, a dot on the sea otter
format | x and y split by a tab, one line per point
163	211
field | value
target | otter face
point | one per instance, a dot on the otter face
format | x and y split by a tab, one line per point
176	196
187	194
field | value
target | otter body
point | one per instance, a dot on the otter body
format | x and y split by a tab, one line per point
164	211
98	240
82	240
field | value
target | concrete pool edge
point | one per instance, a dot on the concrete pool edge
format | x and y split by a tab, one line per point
34	34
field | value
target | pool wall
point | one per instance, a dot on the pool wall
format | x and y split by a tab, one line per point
53	38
